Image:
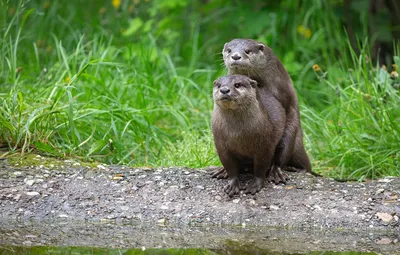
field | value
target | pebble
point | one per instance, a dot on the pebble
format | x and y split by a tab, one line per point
18	174
386	217
236	200
384	241
218	197
29	182
379	191
274	207
32	193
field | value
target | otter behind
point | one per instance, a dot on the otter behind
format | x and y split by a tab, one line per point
257	61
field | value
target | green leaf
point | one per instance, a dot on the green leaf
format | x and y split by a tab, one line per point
97	146
134	26
44	147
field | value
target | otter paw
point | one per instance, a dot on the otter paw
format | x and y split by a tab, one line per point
276	176
255	186
219	173
232	188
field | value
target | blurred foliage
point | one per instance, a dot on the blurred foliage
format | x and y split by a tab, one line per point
128	81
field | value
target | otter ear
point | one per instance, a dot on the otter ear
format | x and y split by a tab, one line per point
261	47
216	83
253	83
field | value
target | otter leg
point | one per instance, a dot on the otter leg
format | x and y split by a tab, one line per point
261	165
284	150
299	160
232	165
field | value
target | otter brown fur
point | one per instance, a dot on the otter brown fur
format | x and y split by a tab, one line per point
246	128
257	61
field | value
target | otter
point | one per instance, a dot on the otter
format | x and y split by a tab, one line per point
257	61
246	129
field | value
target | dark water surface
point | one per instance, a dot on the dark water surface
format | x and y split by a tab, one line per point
80	237
143	251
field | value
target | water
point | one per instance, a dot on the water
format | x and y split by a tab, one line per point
191	251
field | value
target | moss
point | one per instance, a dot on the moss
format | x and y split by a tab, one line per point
35	160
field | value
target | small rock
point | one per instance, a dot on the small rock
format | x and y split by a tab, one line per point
200	187
385	180
379	191
386	217
218	198
29	182
18	174
63	216
164	207
384	241
30	236
32	193
124	208
101	167
274	207
236	200
317	207
162	221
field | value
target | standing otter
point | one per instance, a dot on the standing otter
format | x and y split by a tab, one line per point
257	61
246	129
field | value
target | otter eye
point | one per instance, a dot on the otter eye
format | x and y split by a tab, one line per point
247	51
238	85
229	51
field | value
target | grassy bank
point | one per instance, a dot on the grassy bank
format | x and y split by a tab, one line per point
131	84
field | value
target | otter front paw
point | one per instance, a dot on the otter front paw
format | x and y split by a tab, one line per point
219	173
232	188
276	176
255	186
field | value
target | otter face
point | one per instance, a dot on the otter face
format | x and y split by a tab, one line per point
234	91
244	56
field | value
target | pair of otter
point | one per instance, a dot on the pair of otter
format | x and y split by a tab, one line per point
256	119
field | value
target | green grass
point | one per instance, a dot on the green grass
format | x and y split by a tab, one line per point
133	85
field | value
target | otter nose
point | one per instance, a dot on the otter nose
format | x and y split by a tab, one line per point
236	56
224	90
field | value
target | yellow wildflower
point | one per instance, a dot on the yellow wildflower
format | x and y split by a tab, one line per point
304	31
307	33
316	68
300	29
394	74
67	79
116	3
394	67
46	5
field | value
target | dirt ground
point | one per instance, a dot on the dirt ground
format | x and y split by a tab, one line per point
114	206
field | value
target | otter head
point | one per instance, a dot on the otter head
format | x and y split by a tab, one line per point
234	91
245	56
